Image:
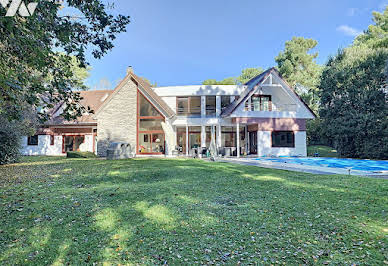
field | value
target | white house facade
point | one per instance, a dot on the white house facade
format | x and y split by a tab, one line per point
264	117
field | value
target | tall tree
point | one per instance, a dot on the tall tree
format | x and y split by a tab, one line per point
42	61
354	106
298	66
249	73
29	52
246	75
376	36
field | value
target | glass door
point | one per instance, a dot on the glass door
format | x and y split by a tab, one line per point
72	143
253	142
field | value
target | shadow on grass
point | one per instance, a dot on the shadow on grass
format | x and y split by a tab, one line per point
186	211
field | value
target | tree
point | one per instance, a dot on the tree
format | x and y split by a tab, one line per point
246	75
42	62
31	69
354	106
227	81
376	36
249	73
300	69
80	73
354	95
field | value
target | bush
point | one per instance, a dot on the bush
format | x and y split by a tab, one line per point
78	155
10	140
9	145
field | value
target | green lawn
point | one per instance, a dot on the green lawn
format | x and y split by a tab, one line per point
324	151
155	211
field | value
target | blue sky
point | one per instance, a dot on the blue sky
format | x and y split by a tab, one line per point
183	42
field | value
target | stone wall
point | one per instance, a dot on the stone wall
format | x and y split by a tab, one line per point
117	120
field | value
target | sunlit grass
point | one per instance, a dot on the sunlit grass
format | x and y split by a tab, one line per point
156	211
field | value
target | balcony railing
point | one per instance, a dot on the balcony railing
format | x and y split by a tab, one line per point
273	108
194	111
285	107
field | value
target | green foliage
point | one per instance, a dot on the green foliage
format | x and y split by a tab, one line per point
58	211
300	69
77	154
376	36
246	75
32	70
12	131
354	106
315	132
249	73
321	150
227	81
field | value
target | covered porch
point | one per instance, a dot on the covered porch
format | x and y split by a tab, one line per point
236	140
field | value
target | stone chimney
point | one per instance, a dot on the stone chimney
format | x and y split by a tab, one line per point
129	70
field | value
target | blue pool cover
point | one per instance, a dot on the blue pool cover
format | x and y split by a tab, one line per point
363	165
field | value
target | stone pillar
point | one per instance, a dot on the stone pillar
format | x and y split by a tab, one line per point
187	140
238	140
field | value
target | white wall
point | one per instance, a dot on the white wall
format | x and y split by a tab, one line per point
43	147
265	145
87	145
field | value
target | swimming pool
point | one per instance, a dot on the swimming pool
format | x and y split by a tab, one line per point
353	164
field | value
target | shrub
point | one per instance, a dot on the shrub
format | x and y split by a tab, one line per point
78	155
10	143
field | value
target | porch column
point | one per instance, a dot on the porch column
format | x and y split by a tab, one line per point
258	141
203	106
218	106
203	136
247	139
187	140
238	140
218	136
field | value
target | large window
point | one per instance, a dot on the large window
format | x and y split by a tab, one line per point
151	138
210	105
190	106
146	108
33	140
283	139
72	143
259	103
225	101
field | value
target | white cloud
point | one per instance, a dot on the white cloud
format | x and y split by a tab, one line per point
347	30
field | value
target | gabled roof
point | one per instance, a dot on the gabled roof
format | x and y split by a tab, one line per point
252	85
93	99
246	94
146	87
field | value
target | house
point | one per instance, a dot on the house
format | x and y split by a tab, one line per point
58	136
264	117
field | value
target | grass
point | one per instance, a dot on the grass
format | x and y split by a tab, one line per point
323	151
155	211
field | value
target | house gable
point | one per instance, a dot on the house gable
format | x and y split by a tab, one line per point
284	100
145	89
